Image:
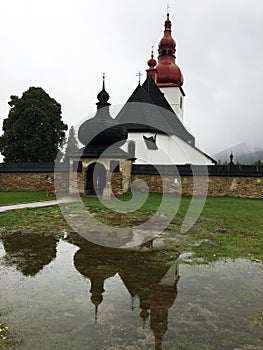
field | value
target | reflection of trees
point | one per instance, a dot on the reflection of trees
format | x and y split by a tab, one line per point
30	252
146	275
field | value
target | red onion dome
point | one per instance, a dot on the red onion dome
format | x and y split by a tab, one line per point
169	73
167	42
152	62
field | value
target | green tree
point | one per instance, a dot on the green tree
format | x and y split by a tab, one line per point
72	142
33	130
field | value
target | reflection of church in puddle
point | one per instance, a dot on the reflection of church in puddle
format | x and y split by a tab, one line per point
147	277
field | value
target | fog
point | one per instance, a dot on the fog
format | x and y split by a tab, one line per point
64	46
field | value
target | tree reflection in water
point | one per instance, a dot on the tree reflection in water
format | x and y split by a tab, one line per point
29	252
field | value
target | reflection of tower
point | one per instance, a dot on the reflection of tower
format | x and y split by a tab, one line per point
162	299
96	290
90	263
157	290
144	274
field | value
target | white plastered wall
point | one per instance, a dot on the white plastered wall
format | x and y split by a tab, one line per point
175	97
171	150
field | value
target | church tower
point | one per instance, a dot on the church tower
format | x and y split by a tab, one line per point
167	74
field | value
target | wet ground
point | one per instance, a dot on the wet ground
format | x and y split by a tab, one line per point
66	293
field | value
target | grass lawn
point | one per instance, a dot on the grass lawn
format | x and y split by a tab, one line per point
228	226
7	198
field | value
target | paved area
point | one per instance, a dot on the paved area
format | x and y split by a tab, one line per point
36	204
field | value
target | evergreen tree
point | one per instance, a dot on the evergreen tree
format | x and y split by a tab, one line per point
61	154
33	130
72	142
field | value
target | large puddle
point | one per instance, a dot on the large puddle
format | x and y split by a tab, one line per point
66	293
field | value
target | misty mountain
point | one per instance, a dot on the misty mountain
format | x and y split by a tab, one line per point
243	153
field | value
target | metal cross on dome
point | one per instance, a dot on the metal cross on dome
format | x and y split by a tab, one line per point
139	74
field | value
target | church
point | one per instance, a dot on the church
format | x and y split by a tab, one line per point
147	131
153	115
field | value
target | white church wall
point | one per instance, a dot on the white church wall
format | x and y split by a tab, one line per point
175	97
171	150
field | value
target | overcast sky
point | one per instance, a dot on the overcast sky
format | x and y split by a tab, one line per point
64	46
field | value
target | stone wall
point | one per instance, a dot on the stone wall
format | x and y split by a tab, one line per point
238	181
156	183
247	187
125	169
31	181
116	184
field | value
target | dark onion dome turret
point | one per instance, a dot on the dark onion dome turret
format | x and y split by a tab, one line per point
169	74
103	96
102	130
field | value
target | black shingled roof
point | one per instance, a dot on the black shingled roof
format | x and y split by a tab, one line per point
148	110
199	170
159	99
95	151
140	113
156	94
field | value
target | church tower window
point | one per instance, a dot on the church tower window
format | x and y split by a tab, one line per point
181	102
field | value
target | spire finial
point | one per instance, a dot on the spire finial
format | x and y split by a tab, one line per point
103	81
96	314
103	96
167	24
231	158
139	74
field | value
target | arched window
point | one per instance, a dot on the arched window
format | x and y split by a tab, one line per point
131	149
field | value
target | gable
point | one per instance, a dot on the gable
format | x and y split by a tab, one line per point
148	110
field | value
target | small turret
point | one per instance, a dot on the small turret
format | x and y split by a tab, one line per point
152	71
102	130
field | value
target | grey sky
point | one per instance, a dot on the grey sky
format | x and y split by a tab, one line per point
64	46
